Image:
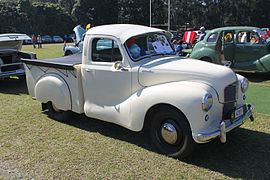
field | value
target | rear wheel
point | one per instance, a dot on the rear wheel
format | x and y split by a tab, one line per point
171	133
67	53
57	114
206	59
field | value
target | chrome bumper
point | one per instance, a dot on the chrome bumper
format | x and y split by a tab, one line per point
221	132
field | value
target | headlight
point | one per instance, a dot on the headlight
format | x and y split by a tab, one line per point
207	102
244	85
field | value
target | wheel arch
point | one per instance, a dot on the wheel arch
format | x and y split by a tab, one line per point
53	88
155	108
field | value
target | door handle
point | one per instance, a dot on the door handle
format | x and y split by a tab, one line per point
88	70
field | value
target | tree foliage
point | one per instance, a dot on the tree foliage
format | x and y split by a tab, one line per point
60	16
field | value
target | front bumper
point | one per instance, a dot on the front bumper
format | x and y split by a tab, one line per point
224	128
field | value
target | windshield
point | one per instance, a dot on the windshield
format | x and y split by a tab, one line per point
148	45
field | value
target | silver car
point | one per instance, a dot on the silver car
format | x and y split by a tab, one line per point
10	55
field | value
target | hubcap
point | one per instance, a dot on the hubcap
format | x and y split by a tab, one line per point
169	133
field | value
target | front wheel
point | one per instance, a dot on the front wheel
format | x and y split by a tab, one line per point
171	133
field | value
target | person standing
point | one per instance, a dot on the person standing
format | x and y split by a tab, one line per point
34	40
39	41
202	33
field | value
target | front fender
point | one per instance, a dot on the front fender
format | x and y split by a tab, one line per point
53	88
185	96
263	64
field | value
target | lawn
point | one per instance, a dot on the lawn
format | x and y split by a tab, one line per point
35	146
47	51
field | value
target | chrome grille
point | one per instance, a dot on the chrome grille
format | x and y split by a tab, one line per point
230	96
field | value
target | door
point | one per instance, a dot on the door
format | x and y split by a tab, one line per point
106	82
228	45
249	48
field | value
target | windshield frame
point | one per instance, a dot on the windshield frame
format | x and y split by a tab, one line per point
147	35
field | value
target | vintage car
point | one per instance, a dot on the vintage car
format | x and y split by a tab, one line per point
244	48
78	41
10	55
130	75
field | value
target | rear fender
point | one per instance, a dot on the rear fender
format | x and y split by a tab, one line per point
263	64
205	52
53	88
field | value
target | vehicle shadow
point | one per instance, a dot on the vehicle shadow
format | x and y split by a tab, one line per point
246	154
256	77
13	86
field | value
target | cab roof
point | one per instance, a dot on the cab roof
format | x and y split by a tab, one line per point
122	31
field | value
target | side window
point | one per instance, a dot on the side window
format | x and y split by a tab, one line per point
228	37
105	50
247	37
212	38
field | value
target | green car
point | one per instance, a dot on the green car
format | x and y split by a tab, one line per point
243	48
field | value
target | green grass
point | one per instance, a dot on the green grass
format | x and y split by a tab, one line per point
47	51
35	146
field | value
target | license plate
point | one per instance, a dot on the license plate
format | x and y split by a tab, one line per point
238	112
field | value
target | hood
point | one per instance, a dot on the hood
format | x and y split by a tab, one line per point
169	69
79	33
12	41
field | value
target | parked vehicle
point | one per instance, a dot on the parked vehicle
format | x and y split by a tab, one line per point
57	39
10	55
46	39
245	48
69	37
77	47
129	75
28	41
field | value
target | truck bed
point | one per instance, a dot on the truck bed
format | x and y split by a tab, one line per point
66	62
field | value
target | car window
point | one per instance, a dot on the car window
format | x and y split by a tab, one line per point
105	50
212	38
247	37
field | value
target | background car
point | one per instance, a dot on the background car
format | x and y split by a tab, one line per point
10	55
27	41
57	39
78	41
243	48
46	39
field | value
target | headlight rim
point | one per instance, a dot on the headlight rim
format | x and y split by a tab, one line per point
244	85
207	102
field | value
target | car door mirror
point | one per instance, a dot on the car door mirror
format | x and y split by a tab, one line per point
118	65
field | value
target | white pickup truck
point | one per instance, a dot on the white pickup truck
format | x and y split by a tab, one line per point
129	75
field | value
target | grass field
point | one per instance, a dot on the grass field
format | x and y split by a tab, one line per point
47	51
35	146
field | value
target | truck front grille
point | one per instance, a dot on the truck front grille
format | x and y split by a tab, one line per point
230	96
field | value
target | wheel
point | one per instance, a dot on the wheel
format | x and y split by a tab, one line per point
170	132
207	59
67	53
57	114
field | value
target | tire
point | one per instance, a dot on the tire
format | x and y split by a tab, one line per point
178	144
57	114
67	53
206	59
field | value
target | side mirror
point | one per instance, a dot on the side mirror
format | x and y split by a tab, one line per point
118	65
